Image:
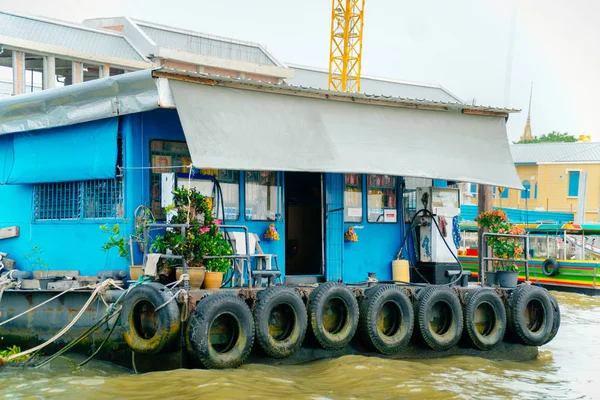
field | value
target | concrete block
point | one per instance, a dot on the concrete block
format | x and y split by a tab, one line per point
8	263
42	274
30	284
64	285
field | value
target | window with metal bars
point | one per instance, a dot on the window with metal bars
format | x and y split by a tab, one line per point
93	199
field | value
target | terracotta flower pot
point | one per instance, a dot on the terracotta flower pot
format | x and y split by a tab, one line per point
135	272
196	275
213	280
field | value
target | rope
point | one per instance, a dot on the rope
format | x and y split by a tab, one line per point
38	306
81	337
100	289
103	342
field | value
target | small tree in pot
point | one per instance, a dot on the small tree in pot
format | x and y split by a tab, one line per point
507	248
202	237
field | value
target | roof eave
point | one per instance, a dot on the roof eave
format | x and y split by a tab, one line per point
203	78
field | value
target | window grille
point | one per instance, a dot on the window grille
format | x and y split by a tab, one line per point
93	199
96	199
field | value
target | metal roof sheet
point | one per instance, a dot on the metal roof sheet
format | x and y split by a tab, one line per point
199	43
556	152
293	89
88	101
66	35
317	77
141	91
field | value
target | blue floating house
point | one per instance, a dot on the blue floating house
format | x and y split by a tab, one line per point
312	163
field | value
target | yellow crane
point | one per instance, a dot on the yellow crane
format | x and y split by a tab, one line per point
345	47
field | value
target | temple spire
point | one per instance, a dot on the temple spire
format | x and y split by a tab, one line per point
527	131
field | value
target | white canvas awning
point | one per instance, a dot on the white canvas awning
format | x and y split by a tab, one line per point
232	128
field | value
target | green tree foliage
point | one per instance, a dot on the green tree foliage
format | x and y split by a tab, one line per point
552	137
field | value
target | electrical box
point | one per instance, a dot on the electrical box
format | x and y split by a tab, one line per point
444	205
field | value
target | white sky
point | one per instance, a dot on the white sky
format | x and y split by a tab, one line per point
460	44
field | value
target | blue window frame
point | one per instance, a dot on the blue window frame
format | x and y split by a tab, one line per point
262	194
474	189
353	198
504	194
526	194
573	183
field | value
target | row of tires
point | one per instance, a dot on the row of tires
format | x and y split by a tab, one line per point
223	328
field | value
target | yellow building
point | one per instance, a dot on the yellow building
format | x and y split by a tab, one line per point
550	172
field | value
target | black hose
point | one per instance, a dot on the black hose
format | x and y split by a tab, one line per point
428	213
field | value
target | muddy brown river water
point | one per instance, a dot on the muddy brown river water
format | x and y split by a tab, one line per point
567	368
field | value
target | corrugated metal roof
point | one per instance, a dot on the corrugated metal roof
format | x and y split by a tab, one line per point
100	98
556	152
293	89
204	44
316	77
138	91
69	36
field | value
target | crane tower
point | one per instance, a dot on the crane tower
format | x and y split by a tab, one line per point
345	47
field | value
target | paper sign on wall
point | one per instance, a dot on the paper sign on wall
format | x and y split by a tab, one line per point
390	215
354	212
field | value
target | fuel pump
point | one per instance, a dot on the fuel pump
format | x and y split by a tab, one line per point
444	205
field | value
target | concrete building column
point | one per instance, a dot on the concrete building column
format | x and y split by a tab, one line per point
104	71
76	72
49	73
18	65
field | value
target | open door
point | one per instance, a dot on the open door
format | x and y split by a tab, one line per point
304	223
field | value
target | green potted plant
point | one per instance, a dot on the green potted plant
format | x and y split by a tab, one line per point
202	238
116	240
506	248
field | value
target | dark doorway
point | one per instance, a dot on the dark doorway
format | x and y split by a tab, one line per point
303	223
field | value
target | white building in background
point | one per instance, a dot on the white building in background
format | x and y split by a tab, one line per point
60	53
41	53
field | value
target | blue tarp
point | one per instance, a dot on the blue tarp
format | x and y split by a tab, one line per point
69	153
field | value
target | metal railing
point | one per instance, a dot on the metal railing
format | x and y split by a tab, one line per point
183	227
485	259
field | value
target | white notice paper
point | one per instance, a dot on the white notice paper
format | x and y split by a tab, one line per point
390	215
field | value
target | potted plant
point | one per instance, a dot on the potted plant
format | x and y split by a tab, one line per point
202	238
117	241
506	248
34	257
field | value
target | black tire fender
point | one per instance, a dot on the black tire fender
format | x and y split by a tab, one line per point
280	321
485	318
220	333
386	320
550	267
146	330
333	314
439	317
531	315
556	320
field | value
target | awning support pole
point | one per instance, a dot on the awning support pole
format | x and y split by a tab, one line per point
484	196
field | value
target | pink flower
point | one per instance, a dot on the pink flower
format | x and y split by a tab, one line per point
217	222
204	230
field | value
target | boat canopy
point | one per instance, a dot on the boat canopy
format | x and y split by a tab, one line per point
228	127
